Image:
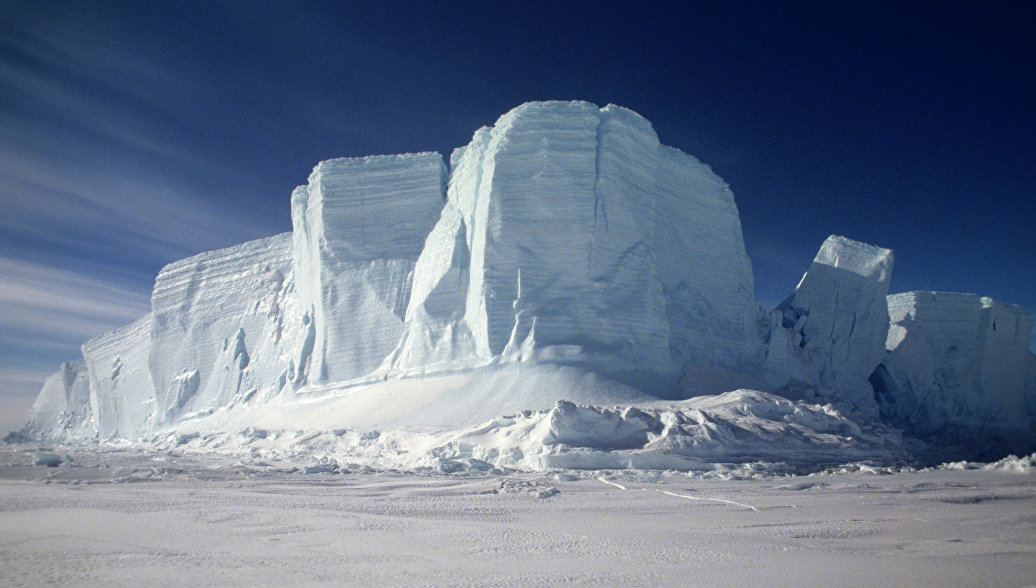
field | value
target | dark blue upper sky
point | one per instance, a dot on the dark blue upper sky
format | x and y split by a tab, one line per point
133	134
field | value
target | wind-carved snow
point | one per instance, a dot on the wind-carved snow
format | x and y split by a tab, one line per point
564	255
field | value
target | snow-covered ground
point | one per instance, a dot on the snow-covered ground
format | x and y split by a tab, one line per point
170	517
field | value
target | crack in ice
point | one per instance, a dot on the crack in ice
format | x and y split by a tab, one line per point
742	505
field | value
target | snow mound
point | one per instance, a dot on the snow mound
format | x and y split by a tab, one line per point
1012	464
700	434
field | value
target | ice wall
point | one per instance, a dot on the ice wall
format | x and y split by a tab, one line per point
122	397
832	329
223	326
359	227
570	235
566	253
957	362
62	408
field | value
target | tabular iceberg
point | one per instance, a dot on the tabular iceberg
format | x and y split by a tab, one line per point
218	329
565	253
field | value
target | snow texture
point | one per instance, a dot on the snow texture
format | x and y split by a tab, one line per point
172	518
564	255
699	434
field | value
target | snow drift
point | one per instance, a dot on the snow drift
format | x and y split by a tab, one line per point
564	254
707	433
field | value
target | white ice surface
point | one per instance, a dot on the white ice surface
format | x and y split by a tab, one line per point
571	235
223	327
358	228
739	427
833	328
127	518
958	361
62	408
122	397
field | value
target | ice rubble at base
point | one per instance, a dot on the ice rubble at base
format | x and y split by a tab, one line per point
739	431
565	254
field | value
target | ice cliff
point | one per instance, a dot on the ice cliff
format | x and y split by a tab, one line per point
571	236
958	366
359	227
563	254
832	329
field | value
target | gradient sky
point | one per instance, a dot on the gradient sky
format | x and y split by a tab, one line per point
134	134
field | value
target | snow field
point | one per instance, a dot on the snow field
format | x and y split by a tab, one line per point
122	518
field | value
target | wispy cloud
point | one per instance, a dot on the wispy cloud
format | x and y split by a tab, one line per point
18	389
62	201
110	92
25	377
96	184
46	313
82	154
39	302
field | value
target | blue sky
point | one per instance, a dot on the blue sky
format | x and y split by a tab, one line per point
134	134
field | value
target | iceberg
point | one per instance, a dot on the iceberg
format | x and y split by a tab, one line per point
359	227
958	370
62	408
564	256
122	397
221	325
832	329
571	236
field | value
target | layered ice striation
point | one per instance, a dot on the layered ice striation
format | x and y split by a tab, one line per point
122	397
565	253
958	362
359	227
571	236
832	329
222	327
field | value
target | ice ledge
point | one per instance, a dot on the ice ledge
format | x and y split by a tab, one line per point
864	259
351	164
